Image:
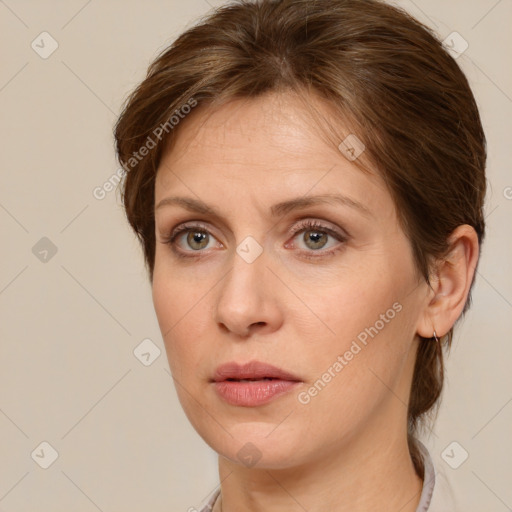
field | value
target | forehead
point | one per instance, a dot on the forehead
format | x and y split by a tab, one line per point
276	122
271	142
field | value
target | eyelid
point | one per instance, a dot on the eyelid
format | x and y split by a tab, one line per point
300	226
188	225
320	225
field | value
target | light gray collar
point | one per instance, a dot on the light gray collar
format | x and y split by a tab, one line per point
429	479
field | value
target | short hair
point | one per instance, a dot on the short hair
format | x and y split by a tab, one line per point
377	68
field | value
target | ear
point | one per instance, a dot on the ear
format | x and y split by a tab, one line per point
451	283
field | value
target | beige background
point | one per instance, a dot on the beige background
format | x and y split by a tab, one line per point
69	326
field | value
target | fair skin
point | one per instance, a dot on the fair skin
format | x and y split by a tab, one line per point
346	449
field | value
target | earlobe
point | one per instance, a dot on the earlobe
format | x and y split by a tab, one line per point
450	289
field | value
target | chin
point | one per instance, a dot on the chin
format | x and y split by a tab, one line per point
258	445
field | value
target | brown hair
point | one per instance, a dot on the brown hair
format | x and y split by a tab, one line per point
372	63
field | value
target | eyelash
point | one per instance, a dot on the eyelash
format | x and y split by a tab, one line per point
305	225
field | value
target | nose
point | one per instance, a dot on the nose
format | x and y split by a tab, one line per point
247	300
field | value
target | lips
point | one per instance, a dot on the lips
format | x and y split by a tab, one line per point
252	384
252	371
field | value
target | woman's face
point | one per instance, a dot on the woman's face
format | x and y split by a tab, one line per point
325	290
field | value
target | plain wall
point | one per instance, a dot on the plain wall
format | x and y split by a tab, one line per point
69	325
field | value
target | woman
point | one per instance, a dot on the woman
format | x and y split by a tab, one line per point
307	182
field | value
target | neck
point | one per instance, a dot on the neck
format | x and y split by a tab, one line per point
371	471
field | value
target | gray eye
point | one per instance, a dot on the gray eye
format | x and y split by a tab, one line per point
315	239
197	240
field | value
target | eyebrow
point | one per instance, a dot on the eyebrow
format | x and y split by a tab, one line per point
278	209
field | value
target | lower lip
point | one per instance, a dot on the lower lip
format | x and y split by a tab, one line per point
253	393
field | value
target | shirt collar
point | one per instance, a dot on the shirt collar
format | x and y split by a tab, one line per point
429	479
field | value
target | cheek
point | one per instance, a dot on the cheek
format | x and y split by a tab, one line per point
367	318
176	292
366	331
181	316
184	316
352	374
348	303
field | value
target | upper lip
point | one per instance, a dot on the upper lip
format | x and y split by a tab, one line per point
251	370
